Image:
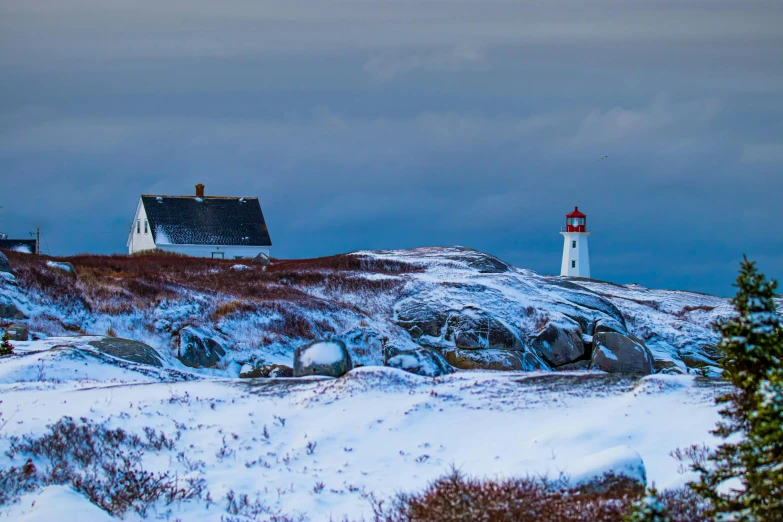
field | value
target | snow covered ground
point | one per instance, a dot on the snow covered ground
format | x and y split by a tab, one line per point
319	446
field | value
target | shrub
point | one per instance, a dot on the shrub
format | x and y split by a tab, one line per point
5	346
104	464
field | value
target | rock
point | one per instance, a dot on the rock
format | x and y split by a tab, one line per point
64	266
712	351
578	365
616	353
5	265
502	360
667	367
197	349
329	358
421	361
10	311
481	262
693	360
248	371
619	469
558	345
364	344
421	318
17	332
276	370
473	329
606	324
128	350
261	259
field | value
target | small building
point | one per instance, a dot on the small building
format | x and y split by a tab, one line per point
27	246
576	254
201	226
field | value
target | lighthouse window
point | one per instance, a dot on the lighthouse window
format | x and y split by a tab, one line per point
573	244
573	264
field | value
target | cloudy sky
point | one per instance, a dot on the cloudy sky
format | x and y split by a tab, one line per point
392	124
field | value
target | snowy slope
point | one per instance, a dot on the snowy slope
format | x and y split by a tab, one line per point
376	430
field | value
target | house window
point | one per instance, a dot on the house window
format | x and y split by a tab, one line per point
573	264
145	226
573	244
138	226
218	255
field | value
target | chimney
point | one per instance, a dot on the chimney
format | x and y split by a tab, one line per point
200	190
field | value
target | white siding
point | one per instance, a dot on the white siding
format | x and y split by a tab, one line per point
229	251
140	240
576	259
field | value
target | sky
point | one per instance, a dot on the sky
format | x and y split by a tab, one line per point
379	124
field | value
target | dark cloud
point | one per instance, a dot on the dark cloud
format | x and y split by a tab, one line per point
373	124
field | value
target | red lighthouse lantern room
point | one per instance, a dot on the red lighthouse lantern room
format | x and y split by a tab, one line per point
576	221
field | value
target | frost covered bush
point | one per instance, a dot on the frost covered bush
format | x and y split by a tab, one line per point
106	465
743	477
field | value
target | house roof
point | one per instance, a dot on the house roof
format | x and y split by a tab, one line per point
575	214
211	220
20	245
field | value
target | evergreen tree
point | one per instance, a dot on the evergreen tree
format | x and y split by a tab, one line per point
743	479
5	346
649	509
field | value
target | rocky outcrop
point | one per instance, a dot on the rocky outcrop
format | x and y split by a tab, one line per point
5	265
17	332
261	259
559	345
616	353
10	311
502	360
421	318
197	349
128	350
473	329
605	324
329	358
421	361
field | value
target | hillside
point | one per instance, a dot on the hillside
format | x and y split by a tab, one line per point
475	309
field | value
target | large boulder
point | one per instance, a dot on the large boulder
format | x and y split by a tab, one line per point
473	329
501	360
17	332
197	349
261	259
421	361
10	311
5	265
128	350
559	345
64	266
607	324
616	353
329	358
421	318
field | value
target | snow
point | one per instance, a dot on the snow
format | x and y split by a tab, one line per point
376	430
322	353
59	266
609	354
161	237
240	267
620	461
63	504
22	249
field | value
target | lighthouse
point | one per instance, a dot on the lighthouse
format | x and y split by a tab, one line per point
576	254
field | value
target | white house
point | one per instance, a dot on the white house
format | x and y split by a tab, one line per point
576	254
201	226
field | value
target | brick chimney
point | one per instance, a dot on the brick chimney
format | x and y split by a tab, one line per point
200	190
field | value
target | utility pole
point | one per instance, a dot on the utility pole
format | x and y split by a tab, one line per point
38	241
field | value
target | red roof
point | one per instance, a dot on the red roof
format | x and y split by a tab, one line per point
575	214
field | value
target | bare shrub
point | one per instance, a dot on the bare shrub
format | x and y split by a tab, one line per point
104	464
455	497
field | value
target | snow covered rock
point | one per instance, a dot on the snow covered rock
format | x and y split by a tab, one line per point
239	267
128	350
473	329
618	467
64	266
9	310
502	360
5	265
64	504
17	332
249	371
197	349
421	317
422	361
559	344
609	325
329	358
616	353
261	259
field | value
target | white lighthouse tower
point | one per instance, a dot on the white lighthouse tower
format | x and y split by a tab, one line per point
576	254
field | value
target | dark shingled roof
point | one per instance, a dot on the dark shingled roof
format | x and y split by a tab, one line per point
188	220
